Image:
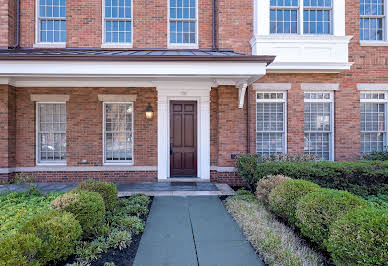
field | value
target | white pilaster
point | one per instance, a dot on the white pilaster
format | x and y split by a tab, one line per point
163	138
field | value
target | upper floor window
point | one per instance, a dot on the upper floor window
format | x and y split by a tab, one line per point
183	22
372	121
118	21
51	21
372	20
304	16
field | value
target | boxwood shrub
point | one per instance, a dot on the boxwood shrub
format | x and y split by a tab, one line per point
361	178
58	232
284	198
266	185
360	238
20	249
316	211
108	191
87	207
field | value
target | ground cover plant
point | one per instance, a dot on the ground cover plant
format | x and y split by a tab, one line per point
74	227
274	242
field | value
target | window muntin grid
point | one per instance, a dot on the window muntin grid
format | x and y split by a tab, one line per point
270	123
52	21
318	124
118	21
51	132
372	20
284	16
317	16
183	22
118	132
373	121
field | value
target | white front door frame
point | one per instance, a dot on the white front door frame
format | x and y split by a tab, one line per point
184	91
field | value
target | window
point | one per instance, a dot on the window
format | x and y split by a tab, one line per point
372	20
286	16
270	123
51	21
51	133
183	22
118	21
118	132
372	121
318	124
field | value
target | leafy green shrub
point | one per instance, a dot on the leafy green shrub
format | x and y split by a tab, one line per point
284	198
379	201
58	231
90	251
246	166
360	238
266	184
20	249
139	199
375	156
119	239
108	191
129	223
87	207
360	178
136	205
243	194
318	210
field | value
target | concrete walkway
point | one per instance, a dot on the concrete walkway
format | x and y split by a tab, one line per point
186	231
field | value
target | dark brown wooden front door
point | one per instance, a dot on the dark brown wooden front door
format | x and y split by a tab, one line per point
183	139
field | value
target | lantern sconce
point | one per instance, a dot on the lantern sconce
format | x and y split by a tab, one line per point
149	112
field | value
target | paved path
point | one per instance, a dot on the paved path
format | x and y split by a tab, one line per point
186	231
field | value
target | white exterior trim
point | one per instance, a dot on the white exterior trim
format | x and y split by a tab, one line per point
56	98
117	98
373	43
272	86
319	86
222	169
55	168
195	91
49	45
372	87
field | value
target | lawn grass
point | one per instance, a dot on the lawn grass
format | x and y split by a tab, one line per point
274	242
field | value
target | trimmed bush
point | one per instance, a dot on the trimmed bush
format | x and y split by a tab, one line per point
108	192
129	223
318	210
284	198
57	231
265	186
20	249
360	238
360	178
87	207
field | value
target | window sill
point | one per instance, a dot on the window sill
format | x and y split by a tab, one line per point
51	164
119	164
182	46
373	43
50	45
117	45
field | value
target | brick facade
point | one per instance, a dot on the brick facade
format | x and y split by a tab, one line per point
232	130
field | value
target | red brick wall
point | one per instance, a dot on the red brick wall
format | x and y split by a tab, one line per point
7	23
7	126
213	126
84	125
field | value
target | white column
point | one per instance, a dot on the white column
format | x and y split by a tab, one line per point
339	18
204	138
261	17
163	139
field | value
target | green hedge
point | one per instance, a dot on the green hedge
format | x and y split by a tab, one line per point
108	191
361	178
360	238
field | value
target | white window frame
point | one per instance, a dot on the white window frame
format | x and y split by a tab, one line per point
300	18
284	101
118	44
377	101
384	41
182	45
332	106
37	139
121	162
38	43
261	23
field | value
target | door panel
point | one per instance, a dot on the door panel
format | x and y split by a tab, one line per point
183	138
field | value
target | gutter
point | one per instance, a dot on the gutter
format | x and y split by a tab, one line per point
17	44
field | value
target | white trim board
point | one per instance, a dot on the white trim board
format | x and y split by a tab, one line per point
271	86
59	168
372	86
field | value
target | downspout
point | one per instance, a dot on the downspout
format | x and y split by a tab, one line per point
214	26
16	45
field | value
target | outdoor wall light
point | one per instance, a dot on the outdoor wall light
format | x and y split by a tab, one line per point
149	112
